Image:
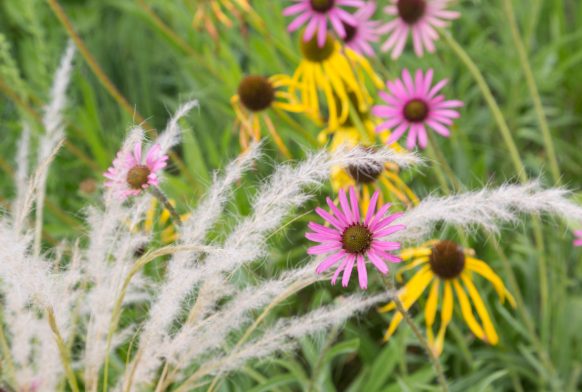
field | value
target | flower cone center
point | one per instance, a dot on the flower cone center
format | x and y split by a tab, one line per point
365	174
447	260
312	52
416	110
356	239
411	11
137	176
351	32
322	6
256	93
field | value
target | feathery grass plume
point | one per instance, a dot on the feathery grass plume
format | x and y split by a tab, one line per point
485	209
54	130
283	335
173	133
21	175
181	276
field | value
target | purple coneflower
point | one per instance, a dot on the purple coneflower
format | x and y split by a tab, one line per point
315	13
419	17
412	105
350	239
578	240
129	174
359	36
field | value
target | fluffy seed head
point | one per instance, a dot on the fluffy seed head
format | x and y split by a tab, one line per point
411	10
365	174
256	93
312	52
447	259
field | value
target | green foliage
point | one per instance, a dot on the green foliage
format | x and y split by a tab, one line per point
156	69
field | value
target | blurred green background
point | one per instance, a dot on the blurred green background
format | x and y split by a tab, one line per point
153	56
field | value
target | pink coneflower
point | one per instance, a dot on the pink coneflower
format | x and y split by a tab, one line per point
578	241
414	104
351	240
129	175
419	17
315	13
359	36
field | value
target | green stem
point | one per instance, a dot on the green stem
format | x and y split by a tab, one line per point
533	90
65	357
519	167
488	95
389	281
158	194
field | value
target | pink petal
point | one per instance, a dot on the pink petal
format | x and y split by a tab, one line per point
348	270
329	262
362	273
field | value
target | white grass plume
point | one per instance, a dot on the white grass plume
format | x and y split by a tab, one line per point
485	209
172	134
53	123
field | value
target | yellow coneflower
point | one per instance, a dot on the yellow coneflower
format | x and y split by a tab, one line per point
386	178
209	12
257	94
446	264
337	73
161	221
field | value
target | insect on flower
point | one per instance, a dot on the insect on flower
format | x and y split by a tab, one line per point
353	238
256	94
418	17
412	105
446	264
315	14
130	174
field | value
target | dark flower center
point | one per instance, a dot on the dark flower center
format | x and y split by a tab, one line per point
312	52
357	239
351	32
411	11
416	110
137	176
447	260
365	174
322	6
256	93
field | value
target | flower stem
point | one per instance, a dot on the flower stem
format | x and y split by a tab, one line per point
533	90
389	281
65	357
522	175
158	194
490	99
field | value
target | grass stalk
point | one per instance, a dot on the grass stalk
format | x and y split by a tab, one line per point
533	90
65	358
389	281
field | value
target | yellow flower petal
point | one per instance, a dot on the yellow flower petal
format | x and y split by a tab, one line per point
492	337
480	267
467	312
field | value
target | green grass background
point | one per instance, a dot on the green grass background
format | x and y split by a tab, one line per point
157	69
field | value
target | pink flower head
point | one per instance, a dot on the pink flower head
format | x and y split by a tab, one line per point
350	239
129	174
419	17
578	241
359	37
315	13
412	105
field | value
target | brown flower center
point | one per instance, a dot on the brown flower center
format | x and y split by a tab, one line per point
351	32
256	93
322	6
416	110
447	259
411	11
312	52
137	176
365	174
356	239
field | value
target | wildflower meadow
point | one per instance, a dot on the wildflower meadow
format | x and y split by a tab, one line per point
290	195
